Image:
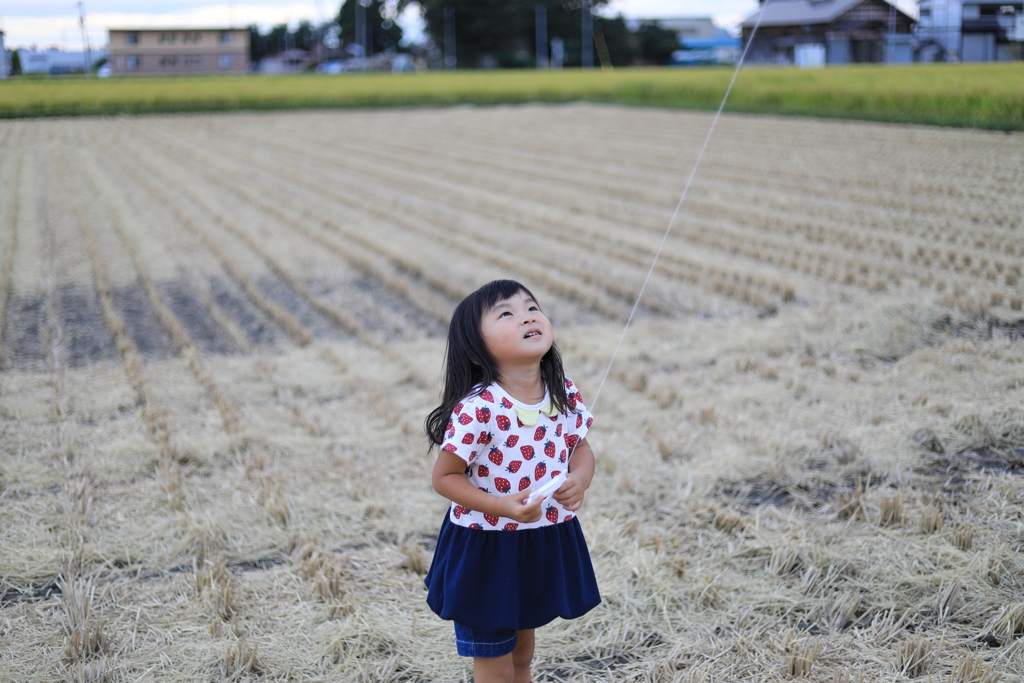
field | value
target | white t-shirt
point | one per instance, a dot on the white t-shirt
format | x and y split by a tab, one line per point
505	456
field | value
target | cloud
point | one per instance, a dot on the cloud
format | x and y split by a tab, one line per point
46	23
656	9
63	30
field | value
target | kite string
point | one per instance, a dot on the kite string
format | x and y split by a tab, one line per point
679	205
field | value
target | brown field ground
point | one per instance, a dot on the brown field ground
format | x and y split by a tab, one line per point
221	334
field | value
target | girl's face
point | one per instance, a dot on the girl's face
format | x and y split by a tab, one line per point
516	331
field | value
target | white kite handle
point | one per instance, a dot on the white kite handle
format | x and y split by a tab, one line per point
547	489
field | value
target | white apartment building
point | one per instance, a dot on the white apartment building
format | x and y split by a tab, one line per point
938	29
970	30
5	59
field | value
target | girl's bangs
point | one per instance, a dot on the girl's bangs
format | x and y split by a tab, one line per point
497	291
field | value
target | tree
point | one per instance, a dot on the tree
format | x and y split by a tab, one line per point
257	44
618	38
386	34
15	63
656	43
304	37
279	38
502	33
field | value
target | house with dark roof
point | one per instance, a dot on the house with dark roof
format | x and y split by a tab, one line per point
829	32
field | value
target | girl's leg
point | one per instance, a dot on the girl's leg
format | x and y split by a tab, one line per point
511	668
493	669
522	656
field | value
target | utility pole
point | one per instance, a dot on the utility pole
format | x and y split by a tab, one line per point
364	28
588	36
891	57
361	27
449	37
541	12
367	29
85	38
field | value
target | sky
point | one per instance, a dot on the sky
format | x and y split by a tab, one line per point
54	23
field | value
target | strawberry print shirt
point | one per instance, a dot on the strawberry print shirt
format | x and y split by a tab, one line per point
504	455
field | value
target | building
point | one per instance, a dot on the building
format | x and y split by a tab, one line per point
970	31
701	42
991	31
691	27
5	59
55	62
286	62
813	32
938	30
178	51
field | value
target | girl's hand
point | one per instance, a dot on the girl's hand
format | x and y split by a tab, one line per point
517	510
577	480
570	494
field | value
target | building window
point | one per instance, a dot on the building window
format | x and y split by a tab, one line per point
191	37
168	38
169	61
132	62
225	37
925	12
131	38
226	61
193	60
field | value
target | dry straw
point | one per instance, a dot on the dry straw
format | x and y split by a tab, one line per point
10	240
963	536
972	669
891	510
273	310
152	413
749	467
56	353
371	265
332	311
932	519
915	657
170	321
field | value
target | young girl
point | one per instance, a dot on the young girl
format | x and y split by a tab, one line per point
509	422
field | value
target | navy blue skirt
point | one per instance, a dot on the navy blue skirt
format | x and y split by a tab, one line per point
523	579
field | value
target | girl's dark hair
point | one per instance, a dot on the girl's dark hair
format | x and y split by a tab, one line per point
468	365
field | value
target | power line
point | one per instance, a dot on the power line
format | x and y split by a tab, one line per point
85	38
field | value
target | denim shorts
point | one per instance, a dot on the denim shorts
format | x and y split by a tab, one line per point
473	642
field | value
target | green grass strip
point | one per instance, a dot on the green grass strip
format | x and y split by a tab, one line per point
969	95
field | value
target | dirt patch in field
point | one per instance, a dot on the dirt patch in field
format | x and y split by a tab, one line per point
144	328
82	320
23	348
42	592
318	325
207	334
984	460
255	325
400	307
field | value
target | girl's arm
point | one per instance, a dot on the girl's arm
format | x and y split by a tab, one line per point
581	473
449	480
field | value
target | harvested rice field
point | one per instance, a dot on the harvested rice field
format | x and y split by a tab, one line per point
221	334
